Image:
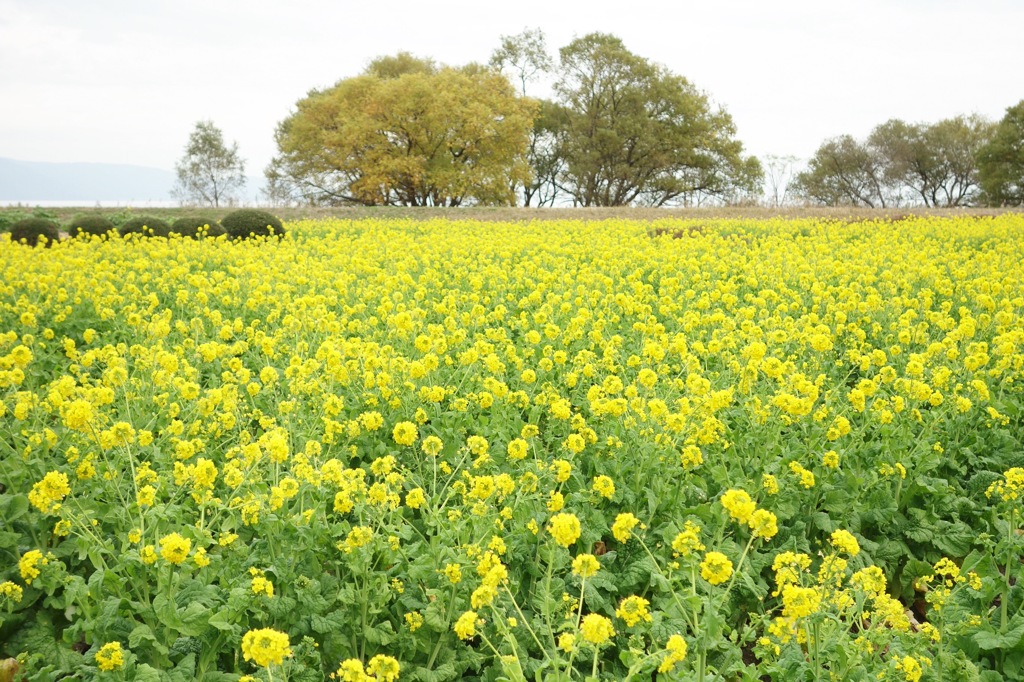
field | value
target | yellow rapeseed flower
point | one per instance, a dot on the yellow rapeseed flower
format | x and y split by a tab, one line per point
596	629
260	584
564	528
676	650
174	548
78	415
517	449
623	527
414	620
633	609
405	433
29	565
799	602
763	524
739	505
383	668
585	565
47	494
844	541
359	536
265	647
1010	487
11	591
688	541
604	486
415	498
110	657
716	568
352	670
465	626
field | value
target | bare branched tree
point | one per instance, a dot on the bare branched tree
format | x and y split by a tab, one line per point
210	173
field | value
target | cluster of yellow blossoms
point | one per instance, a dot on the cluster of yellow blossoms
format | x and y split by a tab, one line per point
265	647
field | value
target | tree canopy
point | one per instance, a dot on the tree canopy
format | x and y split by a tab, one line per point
619	130
1001	160
633	132
408	133
845	171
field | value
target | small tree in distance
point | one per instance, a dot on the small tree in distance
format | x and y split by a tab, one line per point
210	173
779	172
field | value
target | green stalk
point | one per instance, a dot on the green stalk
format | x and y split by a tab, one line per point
579	617
657	567
526	623
447	623
547	592
1011	528
739	566
814	645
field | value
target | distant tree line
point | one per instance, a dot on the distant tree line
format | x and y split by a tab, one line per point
617	130
961	161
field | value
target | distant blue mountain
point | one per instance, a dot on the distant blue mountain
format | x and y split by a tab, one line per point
87	183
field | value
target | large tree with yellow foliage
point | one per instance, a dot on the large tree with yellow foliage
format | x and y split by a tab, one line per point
406	133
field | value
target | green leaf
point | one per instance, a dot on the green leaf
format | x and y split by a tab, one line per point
9	539
15	506
281	607
332	622
142	637
822	521
441	673
194	619
434	618
186	667
146	673
221	621
167	612
382	634
955	540
989	640
920	534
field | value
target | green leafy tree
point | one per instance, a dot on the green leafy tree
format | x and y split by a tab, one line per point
930	164
845	171
406	133
933	164
637	133
210	173
1001	161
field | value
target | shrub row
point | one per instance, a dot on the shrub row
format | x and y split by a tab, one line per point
241	224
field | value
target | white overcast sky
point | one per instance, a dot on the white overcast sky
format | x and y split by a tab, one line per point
124	81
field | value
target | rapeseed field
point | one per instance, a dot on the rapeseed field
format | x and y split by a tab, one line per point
552	451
